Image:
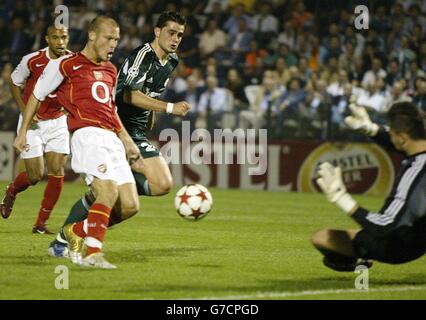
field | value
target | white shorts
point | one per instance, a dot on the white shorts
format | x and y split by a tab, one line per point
99	153
46	136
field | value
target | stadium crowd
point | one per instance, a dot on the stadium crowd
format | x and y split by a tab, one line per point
286	65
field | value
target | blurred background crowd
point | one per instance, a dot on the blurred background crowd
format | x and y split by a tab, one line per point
286	65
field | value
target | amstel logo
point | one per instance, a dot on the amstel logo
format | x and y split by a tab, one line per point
366	167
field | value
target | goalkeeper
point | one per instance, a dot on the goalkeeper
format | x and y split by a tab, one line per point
397	233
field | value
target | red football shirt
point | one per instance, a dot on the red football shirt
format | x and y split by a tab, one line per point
26	75
84	88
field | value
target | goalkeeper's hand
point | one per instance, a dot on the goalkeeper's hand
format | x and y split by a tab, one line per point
359	120
331	183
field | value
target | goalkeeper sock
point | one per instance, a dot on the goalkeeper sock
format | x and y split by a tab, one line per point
142	184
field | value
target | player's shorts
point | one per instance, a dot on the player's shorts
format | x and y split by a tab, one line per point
99	153
46	136
390	249
147	149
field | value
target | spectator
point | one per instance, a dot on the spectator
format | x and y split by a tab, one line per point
9	111
234	83
414	18
373	100
239	44
253	55
337	88
419	98
346	59
290	106
394	73
211	40
403	54
232	23
396	94
218	14
261	104
376	72
302	18
289	35
284	52
213	103
18	39
413	73
264	25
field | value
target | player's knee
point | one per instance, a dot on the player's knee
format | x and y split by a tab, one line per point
129	208
34	177
56	171
165	184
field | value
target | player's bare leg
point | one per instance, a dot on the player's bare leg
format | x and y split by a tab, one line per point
33	174
55	180
159	180
337	248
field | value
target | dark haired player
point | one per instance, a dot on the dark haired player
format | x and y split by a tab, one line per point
48	135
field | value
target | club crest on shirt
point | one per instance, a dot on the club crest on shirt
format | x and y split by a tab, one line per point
98	75
133	72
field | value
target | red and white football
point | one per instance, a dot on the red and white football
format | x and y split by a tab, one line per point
193	201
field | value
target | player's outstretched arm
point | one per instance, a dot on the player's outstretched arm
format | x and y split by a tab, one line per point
331	183
360	120
141	100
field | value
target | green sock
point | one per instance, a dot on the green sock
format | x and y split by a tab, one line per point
79	211
142	184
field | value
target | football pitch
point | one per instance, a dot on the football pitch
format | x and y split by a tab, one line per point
253	245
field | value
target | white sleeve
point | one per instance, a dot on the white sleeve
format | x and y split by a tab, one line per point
22	72
49	80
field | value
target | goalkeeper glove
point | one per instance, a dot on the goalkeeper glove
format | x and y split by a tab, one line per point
359	120
331	183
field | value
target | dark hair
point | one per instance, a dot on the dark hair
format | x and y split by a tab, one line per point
170	16
406	117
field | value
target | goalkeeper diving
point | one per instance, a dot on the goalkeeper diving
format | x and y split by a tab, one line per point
397	233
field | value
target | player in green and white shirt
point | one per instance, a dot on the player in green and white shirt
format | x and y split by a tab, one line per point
142	78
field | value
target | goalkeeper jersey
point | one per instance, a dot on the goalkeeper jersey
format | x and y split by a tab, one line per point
405	207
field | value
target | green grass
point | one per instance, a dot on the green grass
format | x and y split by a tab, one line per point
252	245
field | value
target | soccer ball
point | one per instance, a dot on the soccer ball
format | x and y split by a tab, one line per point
193	202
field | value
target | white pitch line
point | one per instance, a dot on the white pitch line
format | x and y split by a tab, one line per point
289	294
